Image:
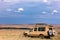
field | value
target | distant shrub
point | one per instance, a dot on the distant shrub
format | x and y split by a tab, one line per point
58	32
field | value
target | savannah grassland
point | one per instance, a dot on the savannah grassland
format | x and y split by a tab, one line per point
12	34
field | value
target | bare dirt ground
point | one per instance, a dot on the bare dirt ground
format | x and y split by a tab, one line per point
18	35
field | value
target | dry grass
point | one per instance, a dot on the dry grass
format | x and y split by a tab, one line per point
18	35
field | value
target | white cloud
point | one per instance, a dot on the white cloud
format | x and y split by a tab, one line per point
45	1
8	9
48	2
54	11
20	9
44	12
31	0
21	0
56	0
11	0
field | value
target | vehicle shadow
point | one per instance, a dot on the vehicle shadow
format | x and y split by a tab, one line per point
45	37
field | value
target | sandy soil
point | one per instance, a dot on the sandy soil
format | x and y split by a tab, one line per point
17	35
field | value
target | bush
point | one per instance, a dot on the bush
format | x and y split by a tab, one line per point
58	32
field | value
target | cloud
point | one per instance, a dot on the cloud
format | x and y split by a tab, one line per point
17	10
10	1
54	11
31	0
20	0
56	0
9	9
16	15
20	10
48	2
10	14
44	12
47	16
45	1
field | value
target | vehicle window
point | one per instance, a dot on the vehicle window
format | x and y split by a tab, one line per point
35	29
50	28
41	29
31	30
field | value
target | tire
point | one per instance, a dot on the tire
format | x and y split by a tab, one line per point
25	34
41	36
50	33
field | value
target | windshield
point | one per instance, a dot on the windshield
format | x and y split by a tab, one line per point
31	29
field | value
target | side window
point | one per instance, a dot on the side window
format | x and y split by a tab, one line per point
41	29
35	29
50	28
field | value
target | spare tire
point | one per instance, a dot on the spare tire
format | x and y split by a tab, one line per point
50	32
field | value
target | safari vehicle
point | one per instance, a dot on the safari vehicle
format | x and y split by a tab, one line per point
40	30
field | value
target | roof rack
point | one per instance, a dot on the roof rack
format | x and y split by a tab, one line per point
41	24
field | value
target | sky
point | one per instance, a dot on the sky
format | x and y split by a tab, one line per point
29	11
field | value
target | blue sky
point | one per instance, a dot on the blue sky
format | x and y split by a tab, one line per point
29	11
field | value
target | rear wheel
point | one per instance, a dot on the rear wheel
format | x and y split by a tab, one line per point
50	34
41	36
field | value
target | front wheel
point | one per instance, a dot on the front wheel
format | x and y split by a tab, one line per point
25	34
